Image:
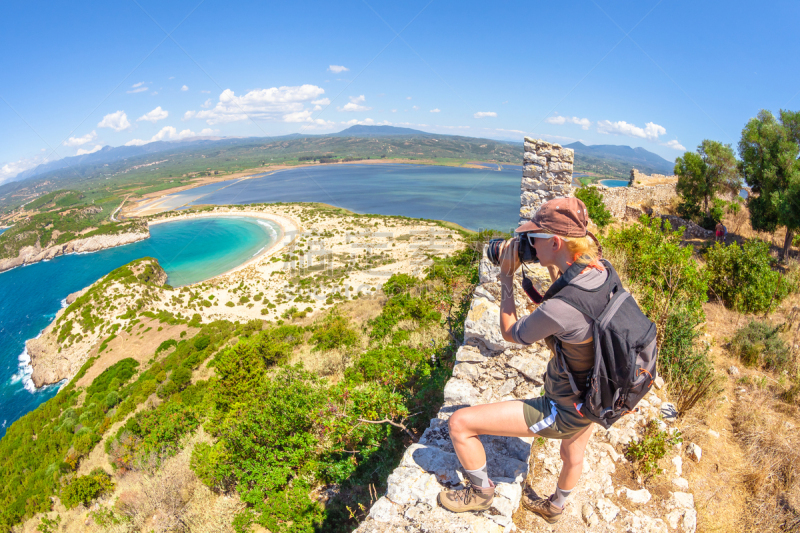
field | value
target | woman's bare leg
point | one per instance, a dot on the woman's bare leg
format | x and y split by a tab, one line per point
572	451
504	419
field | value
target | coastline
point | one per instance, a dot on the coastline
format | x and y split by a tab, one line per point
288	232
31	255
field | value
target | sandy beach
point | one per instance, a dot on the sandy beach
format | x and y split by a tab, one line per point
288	230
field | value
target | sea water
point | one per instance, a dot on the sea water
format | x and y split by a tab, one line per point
614	183
474	198
189	250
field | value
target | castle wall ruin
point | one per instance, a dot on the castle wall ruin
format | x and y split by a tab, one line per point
546	174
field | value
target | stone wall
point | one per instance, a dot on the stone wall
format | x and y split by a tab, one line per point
546	174
618	198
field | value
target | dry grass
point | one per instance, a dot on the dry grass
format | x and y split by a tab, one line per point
768	431
173	499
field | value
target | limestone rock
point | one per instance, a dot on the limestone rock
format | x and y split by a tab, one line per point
460	392
487	271
528	368
640	496
384	510
733	371
694	452
678	462
469	354
483	324
669	412
588	515
681	500
607	510
466	371
681	483
659	382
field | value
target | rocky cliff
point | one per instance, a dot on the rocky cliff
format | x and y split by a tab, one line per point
34	254
92	314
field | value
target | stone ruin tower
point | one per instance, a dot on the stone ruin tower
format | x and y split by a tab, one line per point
546	174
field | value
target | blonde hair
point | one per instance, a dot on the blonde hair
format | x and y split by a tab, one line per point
584	250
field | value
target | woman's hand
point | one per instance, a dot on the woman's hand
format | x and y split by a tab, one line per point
509	257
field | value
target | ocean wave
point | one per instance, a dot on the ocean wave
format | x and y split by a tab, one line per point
25	371
271	227
63	303
258	252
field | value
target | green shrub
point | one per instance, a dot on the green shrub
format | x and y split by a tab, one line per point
742	277
334	332
593	199
111	399
646	453
760	344
84	489
670	287
201	342
230	304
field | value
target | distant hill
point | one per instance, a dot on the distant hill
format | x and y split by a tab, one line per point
612	156
379	131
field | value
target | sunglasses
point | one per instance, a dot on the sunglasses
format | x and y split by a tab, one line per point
532	236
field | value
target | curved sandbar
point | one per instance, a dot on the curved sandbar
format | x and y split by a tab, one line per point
289	230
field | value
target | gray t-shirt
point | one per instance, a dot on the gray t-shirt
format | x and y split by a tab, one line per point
558	318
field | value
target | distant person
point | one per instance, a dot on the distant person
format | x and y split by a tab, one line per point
724	233
720	232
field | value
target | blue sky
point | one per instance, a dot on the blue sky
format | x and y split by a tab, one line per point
663	75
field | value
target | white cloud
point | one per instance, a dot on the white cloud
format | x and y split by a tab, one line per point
185	88
321	101
171	78
154	116
394	110
267	104
408	98
415	107
97	147
305	116
336	69
584	123
79	141
651	131
208	103
206	92
205	132
138	88
116	121
437	110
675	145
12	168
367	122
354	105
188	115
167	132
484	114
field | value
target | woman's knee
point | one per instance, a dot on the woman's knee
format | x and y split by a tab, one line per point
459	422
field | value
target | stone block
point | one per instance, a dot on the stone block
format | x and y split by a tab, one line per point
483	323
534	158
469	354
531	184
530	198
468	371
532	170
528	368
460	392
384	511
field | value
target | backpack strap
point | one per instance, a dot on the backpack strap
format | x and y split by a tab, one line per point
561	365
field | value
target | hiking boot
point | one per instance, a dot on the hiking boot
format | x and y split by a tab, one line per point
471	498
543	507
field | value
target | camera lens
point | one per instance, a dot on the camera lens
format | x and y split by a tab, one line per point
493	251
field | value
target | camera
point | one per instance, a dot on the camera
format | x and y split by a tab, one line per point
526	252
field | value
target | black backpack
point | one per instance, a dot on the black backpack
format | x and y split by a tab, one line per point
624	344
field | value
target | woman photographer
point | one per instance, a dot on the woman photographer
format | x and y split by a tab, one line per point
559	235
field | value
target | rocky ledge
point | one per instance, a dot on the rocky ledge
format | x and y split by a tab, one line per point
489	369
34	254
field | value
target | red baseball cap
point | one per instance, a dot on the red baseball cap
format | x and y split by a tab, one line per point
566	217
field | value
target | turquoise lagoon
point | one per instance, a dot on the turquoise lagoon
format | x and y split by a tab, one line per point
189	250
